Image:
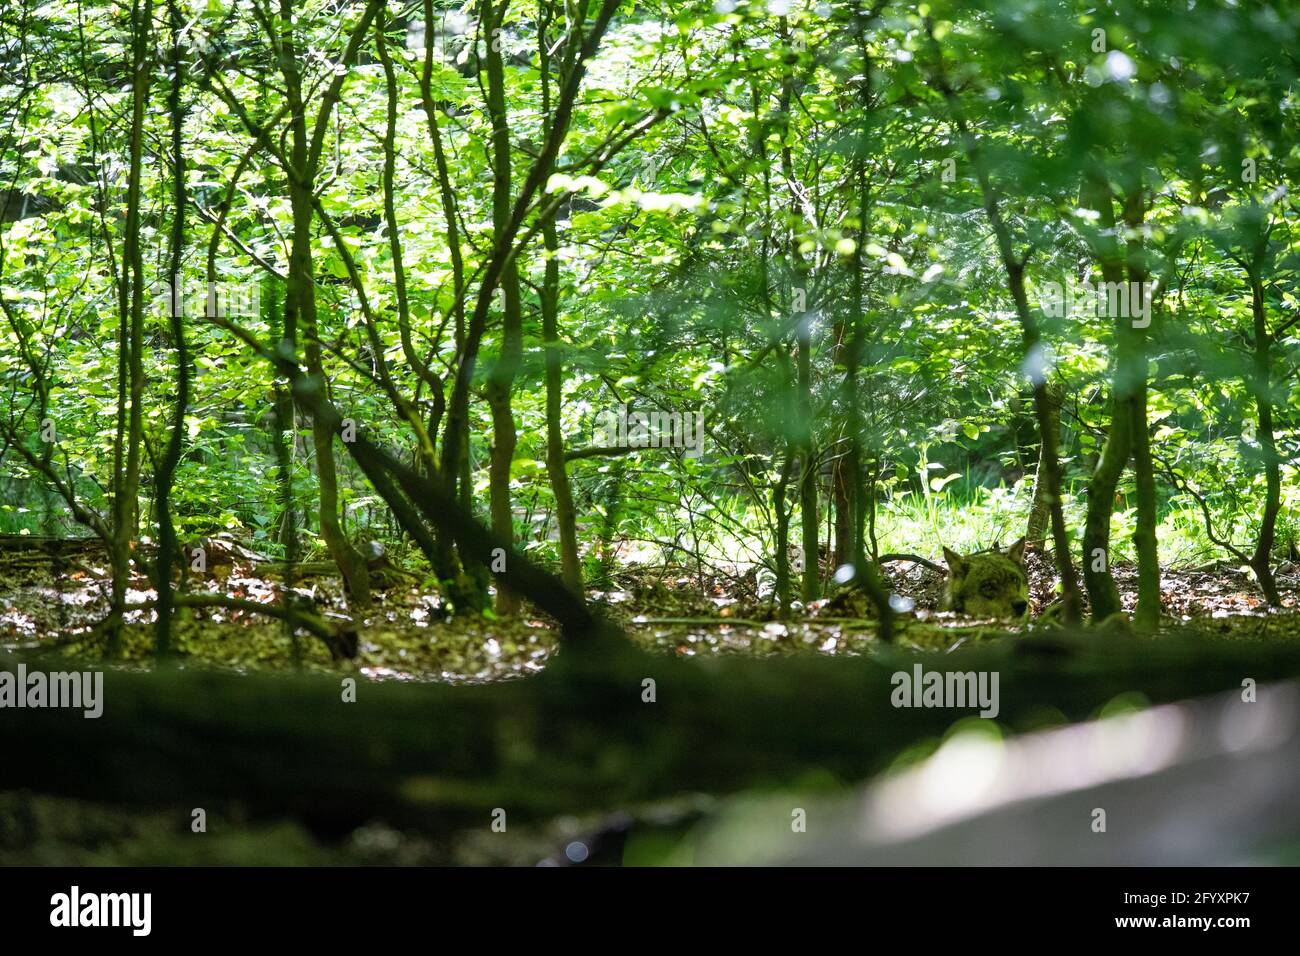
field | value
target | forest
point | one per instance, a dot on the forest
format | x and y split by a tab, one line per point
564	431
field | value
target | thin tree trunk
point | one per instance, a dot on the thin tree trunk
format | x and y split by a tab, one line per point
781	513
577	53
445	191
501	377
1040	503
1261	561
862	497
130	368
423	371
301	305
1049	469
803	446
810	579
842	491
557	472
300	310
1103	595
458	460
1051	473
172	454
565	518
1033	352
609	524
436	550
285	430
1147	616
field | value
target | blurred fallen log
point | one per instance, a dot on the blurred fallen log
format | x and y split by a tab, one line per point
1208	782
29	542
580	736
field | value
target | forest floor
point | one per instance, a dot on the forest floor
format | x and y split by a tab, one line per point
54	596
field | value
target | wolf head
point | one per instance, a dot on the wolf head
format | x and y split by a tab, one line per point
992	585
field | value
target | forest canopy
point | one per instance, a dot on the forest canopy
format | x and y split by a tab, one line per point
771	299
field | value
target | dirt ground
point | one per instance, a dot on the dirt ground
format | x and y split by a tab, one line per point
53	595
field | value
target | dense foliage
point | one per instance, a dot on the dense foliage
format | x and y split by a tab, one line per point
843	251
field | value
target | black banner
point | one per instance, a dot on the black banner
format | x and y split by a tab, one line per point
335	906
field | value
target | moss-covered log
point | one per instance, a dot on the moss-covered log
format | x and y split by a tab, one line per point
580	736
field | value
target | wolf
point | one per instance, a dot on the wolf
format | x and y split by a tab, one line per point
989	585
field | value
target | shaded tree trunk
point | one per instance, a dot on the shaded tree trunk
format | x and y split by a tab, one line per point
1034	355
1103	595
861	496
1261	560
1040	502
501	377
781	516
130	367
565	518
300	298
810	577
1147	615
842	493
166	471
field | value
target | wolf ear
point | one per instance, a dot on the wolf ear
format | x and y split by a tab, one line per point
1017	552
956	563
